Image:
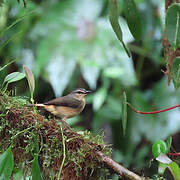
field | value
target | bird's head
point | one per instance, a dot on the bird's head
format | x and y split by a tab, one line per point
80	93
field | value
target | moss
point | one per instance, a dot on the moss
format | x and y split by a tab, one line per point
31	133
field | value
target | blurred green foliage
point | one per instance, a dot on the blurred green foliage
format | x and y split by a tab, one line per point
70	43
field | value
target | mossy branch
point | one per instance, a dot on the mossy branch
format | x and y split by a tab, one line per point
117	168
63	153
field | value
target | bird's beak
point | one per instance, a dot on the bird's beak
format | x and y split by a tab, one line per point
87	92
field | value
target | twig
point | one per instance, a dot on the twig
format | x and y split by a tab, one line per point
64	154
153	112
117	168
23	131
173	154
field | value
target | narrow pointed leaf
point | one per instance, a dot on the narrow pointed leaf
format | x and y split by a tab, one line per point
13	77
6	164
124	113
175	170
133	18
175	73
31	81
113	18
168	143
172	23
161	168
99	98
36	172
2	68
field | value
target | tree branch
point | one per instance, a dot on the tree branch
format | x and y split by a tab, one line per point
117	168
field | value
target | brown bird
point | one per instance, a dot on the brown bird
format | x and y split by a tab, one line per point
66	106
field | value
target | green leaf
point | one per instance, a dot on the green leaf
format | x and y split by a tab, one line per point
13	77
18	175
133	18
172	24
168	143
99	98
175	170
118	72
114	72
124	113
90	73
161	168
159	147
60	74
175	73
36	172
6	164
31	81
2	68
113	18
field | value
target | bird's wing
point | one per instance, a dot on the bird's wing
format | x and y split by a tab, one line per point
66	101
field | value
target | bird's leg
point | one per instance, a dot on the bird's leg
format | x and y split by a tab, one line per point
65	124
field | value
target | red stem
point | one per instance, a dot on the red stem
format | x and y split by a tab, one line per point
153	112
173	154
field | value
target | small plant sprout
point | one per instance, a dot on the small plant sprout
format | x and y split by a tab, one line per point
31	81
13	77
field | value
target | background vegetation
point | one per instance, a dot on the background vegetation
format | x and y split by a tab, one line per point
70	44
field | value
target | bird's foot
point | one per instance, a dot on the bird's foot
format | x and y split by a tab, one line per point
65	124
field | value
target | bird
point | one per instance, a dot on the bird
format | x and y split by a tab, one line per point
66	106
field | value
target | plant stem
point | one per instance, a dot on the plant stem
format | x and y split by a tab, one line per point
64	153
173	154
117	168
153	112
24	131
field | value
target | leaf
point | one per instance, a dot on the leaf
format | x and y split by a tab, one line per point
175	170
60	76
172	24
36	172
114	72
18	175
161	168
124	113
113	18
31	81
133	18
99	98
121	71
175	73
90	75
168	143
159	147
166	162
6	164
163	158
13	77
2	68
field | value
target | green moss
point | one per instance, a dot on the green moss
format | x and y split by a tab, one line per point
30	133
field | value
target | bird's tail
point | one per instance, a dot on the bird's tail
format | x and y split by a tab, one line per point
37	105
